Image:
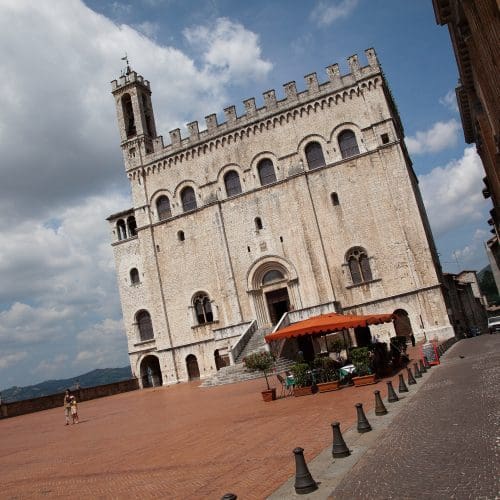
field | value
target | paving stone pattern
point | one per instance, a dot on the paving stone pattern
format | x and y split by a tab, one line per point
179	441
445	443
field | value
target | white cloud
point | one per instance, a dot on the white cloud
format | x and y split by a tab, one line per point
101	343
473	254
7	360
51	367
450	101
58	124
148	28
452	194
229	49
326	13
442	135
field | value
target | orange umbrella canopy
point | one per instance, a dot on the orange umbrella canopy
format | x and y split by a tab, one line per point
327	323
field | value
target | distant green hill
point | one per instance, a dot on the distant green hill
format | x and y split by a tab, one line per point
100	376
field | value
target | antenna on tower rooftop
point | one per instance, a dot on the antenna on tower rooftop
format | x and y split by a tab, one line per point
127	69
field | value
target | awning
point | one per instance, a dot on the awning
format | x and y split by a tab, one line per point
327	323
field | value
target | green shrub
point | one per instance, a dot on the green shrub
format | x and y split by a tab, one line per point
361	359
336	345
300	373
326	367
260	361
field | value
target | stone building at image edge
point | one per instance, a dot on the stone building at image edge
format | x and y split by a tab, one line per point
304	205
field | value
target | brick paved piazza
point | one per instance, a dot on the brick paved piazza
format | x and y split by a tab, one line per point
171	442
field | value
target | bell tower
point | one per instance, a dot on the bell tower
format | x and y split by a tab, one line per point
135	115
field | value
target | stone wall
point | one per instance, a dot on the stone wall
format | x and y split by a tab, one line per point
56	400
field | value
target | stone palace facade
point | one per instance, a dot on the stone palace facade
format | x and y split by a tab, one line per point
307	204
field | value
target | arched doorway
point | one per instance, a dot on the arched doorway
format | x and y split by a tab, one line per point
273	285
402	324
220	361
151	372
192	367
277	300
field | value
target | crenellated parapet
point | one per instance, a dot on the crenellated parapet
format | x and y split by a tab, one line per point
128	79
337	89
272	105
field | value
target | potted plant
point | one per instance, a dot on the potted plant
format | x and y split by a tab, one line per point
336	345
302	379
328	376
361	360
262	361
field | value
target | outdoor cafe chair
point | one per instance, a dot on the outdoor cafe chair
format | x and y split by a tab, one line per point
286	387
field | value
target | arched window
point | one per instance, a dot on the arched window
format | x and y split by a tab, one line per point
163	208
134	276
121	229
131	226
145	325
203	308
272	276
314	155
147	116
359	265
188	199
348	144
232	182
128	115
266	172
335	199
258	223
181	236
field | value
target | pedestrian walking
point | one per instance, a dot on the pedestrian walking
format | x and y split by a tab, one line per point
74	410
67	405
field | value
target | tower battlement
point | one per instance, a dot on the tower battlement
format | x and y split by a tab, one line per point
314	89
127	79
272	104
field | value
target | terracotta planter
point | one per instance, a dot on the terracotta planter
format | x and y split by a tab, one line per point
365	380
269	395
328	386
302	391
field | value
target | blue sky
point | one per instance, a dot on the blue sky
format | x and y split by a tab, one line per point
61	168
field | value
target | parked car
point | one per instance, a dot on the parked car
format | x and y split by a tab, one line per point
494	324
473	331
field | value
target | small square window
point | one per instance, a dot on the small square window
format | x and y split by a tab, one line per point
385	138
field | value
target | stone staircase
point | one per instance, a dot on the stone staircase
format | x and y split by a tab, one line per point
238	372
255	343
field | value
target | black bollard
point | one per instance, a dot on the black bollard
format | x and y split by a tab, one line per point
392	397
411	379
380	408
304	483
363	424
229	496
417	371
423	369
339	448
402	385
